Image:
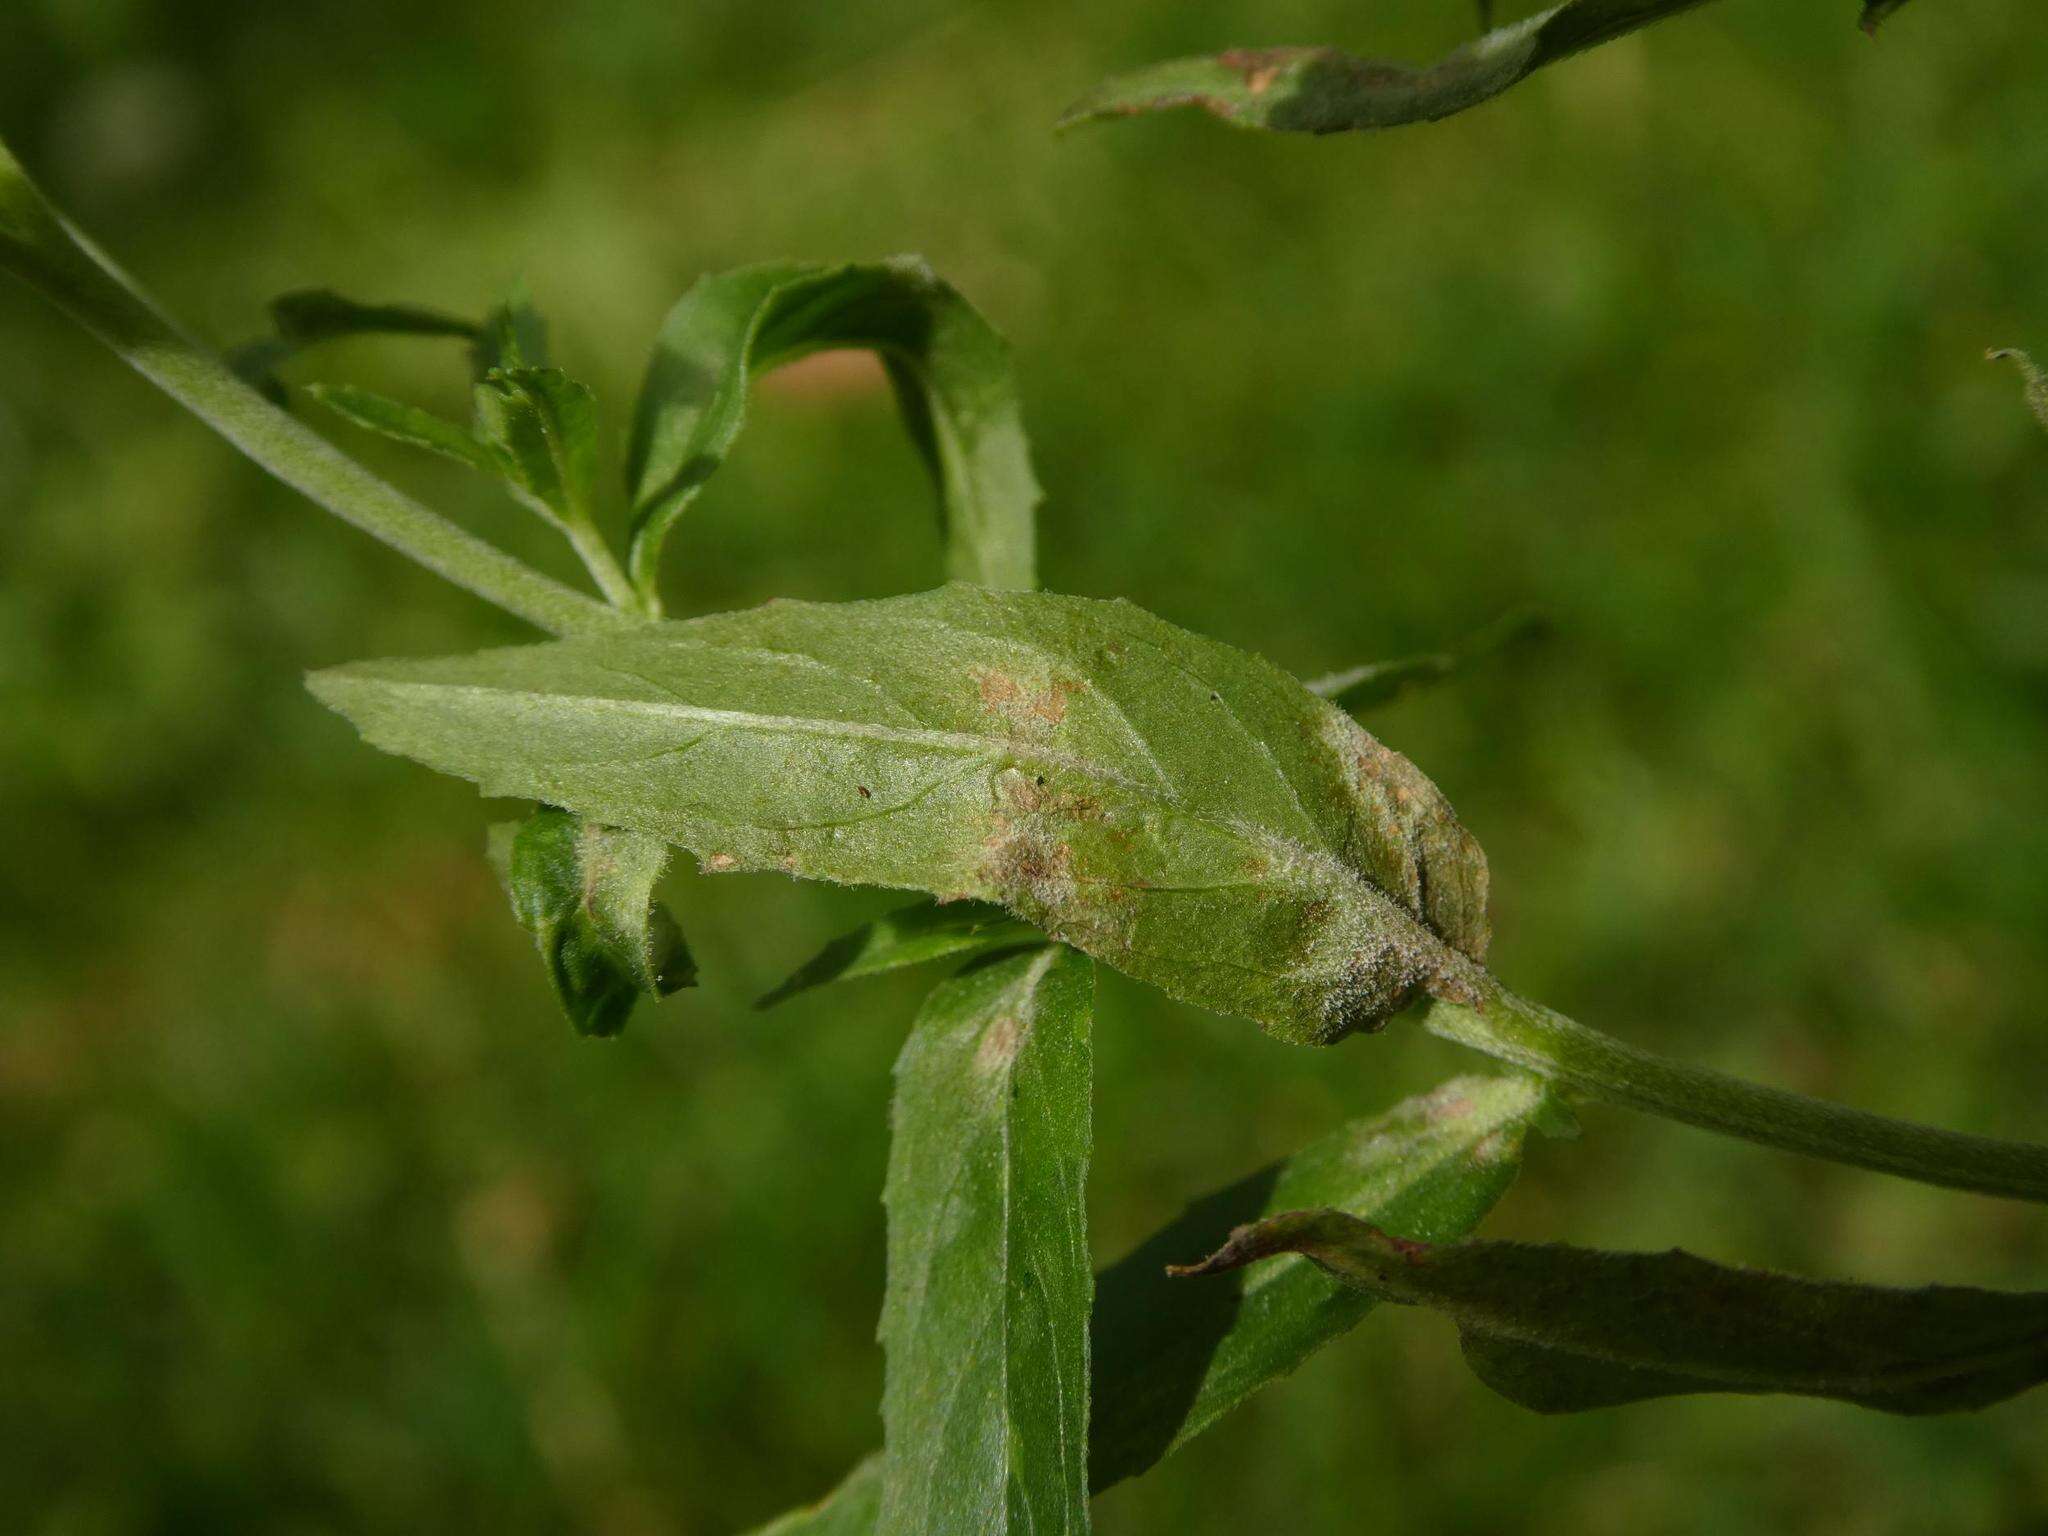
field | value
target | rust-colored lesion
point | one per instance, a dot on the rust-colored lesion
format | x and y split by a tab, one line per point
1022	704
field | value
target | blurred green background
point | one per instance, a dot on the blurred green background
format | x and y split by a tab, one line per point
314	1217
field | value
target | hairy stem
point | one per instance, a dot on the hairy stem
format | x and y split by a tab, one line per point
38	247
1492	1019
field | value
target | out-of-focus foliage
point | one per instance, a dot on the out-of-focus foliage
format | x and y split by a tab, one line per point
312	1215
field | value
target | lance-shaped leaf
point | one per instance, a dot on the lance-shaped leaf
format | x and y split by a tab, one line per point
1381	682
913	935
951	372
2032	375
403	423
586	894
985	1323
1560	1329
1174	807
1325	90
1169	1360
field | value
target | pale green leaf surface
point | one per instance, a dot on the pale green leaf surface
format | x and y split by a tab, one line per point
1325	90
586	894
404	423
985	1321
913	935
951	372
1560	1329
1177	808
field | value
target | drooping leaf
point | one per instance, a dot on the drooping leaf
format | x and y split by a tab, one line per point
513	335
1561	1329
586	894
1325	90
540	426
310	316
1381	682
1169	1360
951	372
913	935
1174	807
2031	374
985	1323
404	423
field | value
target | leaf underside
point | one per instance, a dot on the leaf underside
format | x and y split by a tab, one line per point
1170	1359
586	894
985	1322
1176	808
1325	90
1561	1329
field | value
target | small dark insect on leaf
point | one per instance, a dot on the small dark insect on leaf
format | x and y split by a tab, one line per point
865	792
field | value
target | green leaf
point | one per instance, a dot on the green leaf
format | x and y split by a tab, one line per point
1381	682
951	372
912	935
404	423
586	894
1325	90
2031	375
513	335
1174	807
541	427
40	248
312	315
1170	1359
851	1509
985	1323
1561	1329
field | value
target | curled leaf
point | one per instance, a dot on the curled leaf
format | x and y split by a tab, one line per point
1325	90
951	372
586	894
913	935
1561	1329
1174	807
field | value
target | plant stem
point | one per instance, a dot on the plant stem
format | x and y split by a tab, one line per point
1513	1029
37	246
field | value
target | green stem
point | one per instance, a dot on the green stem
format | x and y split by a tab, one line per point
38	247
606	571
1490	1018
